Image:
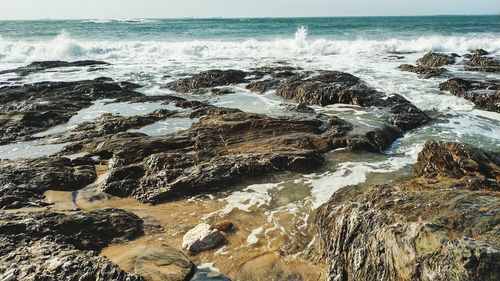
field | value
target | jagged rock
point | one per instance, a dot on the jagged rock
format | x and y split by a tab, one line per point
23	182
457	160
56	246
218	150
108	124
201	238
484	94
263	86
424	71
333	87
39	66
436	60
482	64
32	108
46	260
84	230
417	227
208	79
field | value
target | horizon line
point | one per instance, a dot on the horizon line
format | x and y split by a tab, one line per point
251	17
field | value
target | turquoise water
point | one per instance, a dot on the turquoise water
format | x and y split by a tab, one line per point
267	28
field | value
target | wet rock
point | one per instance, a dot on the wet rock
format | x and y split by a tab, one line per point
484	94
221	91
477	61
84	230
436	60
424	71
263	86
23	182
56	246
410	229
224	225
332	87
108	124
217	151
46	260
457	160
208	79
163	263
201	238
39	66
32	108
302	108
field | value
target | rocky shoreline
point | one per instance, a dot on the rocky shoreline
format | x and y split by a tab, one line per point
438	223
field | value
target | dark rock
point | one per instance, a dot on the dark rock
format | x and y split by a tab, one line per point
413	228
32	108
56	246
333	87
23	182
221	91
436	60
208	79
482	64
457	160
218	150
263	86
108	124
39	66
484	94
424	71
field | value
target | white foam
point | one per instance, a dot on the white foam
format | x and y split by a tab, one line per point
352	173
252	238
64	47
256	195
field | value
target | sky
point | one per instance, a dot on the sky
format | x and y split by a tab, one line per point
98	9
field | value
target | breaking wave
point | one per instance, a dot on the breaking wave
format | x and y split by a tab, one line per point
64	47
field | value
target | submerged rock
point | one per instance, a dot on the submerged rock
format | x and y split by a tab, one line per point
39	66
23	182
414	228
208	79
202	237
484	94
56	246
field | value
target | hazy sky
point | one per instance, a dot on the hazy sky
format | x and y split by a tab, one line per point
85	9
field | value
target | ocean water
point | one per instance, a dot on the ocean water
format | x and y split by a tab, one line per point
153	52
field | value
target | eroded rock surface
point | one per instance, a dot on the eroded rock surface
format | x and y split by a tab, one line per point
32	108
478	60
216	151
415	228
56	246
436	59
484	94
23	182
430	65
208	79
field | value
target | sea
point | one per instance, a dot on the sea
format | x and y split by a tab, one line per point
153	52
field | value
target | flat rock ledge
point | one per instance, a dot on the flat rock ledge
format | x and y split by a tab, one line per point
442	224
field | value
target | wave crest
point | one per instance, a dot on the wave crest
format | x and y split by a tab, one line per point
63	47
